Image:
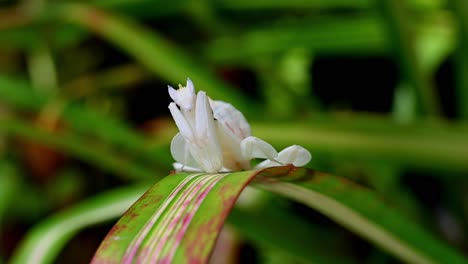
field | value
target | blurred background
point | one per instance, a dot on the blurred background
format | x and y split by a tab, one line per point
376	90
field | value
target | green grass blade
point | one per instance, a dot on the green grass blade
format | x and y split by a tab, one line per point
265	224
460	9
179	218
88	150
153	51
401	31
421	144
44	242
81	119
9	185
361	35
363	212
245	5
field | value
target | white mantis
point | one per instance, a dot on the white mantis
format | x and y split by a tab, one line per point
215	137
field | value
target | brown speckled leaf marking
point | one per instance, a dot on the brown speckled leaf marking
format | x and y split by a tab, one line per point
171	220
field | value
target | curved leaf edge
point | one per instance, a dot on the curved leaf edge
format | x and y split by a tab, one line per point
311	188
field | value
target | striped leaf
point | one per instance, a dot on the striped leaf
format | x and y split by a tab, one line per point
179	218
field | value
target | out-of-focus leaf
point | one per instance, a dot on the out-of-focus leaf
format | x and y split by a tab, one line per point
302	4
9	183
27	37
91	151
263	220
460	8
362	34
356	35
179	218
153	51
434	42
141	8
315	4
81	119
363	212
43	243
19	93
420	144
399	27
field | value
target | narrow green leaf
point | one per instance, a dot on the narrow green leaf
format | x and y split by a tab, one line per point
460	9
153	51
268	224
179	218
437	145
9	184
85	124
21	96
327	36
363	212
400	29
89	150
245	5
43	243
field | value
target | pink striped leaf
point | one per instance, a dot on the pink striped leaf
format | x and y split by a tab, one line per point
179	219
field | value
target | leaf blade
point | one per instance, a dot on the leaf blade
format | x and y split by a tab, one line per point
43	243
206	199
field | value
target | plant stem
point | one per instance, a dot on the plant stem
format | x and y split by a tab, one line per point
460	8
399	28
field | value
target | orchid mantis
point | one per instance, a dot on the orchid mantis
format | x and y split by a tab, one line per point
215	137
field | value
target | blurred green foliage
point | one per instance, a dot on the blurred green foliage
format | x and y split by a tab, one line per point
376	90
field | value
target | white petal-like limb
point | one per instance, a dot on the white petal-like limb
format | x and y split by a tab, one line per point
266	164
253	147
214	136
231	118
206	149
190	87
232	127
184	96
182	167
181	153
231	147
182	124
295	154
204	120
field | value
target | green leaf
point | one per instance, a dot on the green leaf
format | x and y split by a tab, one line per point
460	9
399	28
91	134
43	243
19	94
420	144
362	35
321	5
9	185
192	207
263	222
153	51
179	218
88	150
